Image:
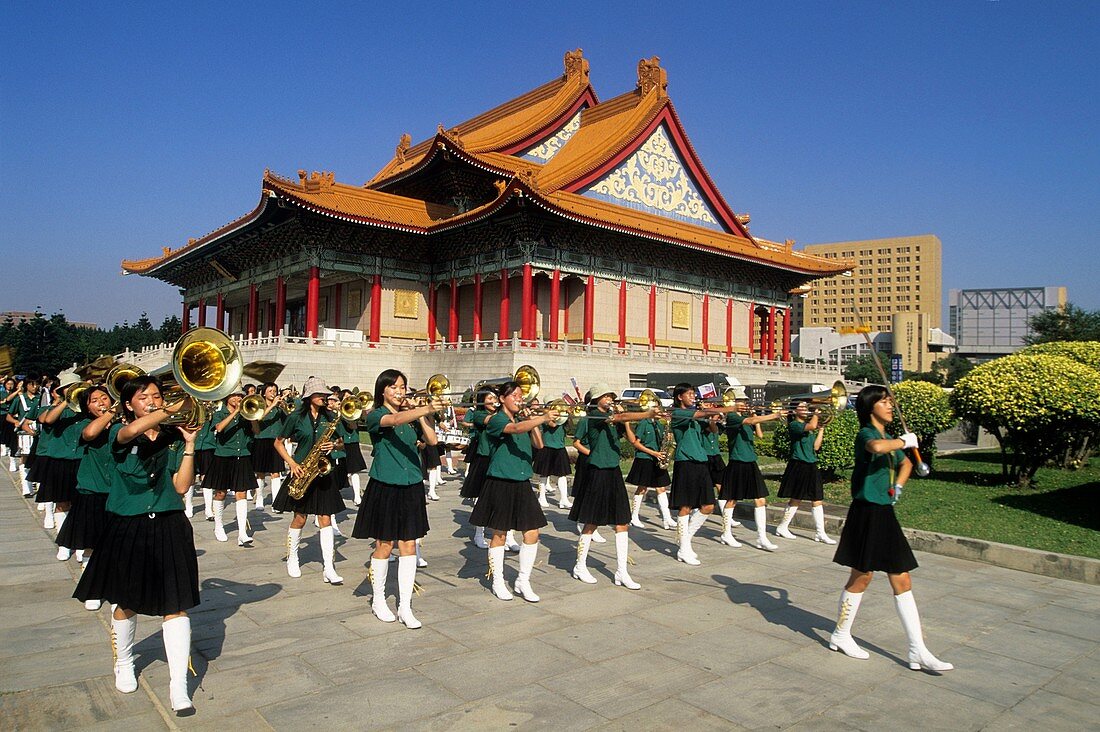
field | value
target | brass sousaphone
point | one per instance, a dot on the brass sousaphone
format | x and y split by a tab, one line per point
207	367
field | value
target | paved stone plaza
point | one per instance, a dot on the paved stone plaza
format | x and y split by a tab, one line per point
739	642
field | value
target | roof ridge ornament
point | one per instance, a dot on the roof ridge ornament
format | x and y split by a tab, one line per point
576	65
317	180
651	76
403	147
530	178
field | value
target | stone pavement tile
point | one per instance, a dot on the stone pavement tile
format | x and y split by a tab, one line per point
1008	594
247	719
1066	621
1049	712
672	715
89	660
242	646
505	623
1042	647
958	616
909	703
34	593
75	705
526	707
726	651
67	632
821	723
833	667
599	640
147	720
366	658
471	675
592	602
41	614
325	600
767	695
1079	680
620	686
381	703
24	574
694	614
988	676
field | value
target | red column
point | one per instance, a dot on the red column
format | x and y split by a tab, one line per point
219	313
376	308
452	319
771	333
589	305
337	306
622	313
433	299
186	322
202	312
787	334
505	304
313	301
706	323
653	316
253	310
280	305
477	307
763	335
555	304
526	320
729	327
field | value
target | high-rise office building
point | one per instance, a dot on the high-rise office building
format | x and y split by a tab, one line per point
987	324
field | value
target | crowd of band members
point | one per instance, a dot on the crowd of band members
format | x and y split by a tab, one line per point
117	485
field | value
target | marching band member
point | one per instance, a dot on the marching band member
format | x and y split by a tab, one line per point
431	468
507	502
714	452
393	509
22	415
267	463
38	467
477	453
603	500
872	539
337	457
647	471
58	485
580	444
802	479
204	455
8	392
742	479
305	427
231	467
145	561
552	461
354	461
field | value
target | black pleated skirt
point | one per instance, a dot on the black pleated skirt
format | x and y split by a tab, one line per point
508	505
354	461
471	486
742	481
7	433
321	498
647	474
551	461
202	461
604	501
578	475
56	480
264	458
144	563
36	465
85	523
429	459
717	466
691	484
232	474
391	512
872	540
802	482
339	473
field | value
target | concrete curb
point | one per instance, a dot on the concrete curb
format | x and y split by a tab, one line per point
1049	564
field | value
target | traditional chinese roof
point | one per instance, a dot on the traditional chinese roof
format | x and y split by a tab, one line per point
624	165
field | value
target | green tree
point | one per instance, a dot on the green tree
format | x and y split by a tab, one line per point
953	368
1070	323
862	368
927	411
1037	406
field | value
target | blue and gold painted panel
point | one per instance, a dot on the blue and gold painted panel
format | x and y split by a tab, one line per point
549	147
654	179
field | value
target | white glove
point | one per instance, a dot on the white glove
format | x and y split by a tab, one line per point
910	440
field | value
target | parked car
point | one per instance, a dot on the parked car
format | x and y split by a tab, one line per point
633	394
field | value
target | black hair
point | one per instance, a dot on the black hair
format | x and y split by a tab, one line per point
503	390
682	388
133	387
387	378
866	400
482	392
86	396
264	387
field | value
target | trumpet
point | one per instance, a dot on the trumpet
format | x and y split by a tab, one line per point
558	405
727	399
252	407
354	405
827	403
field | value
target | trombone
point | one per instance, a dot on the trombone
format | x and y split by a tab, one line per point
827	403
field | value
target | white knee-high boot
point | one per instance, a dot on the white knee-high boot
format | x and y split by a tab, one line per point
760	514
433	480
48	522
241	506
634	518
819	524
208	503
510	542
622	558
276	484
666	516
544	484
335	525
727	526
23	479
784	526
356	488
683	534
841	639
479	538
177	649
122	638
188	502
379	569
260	493
580	569
697	520
59	518
496	570
564	501
328	554
919	655
421	562
293	538
219	527
527	554
406	579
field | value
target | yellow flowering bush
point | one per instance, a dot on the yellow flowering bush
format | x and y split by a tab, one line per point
1037	405
927	412
1083	352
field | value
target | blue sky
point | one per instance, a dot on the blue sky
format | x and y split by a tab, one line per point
128	127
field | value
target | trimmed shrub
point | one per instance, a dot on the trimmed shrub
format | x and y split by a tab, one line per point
927	411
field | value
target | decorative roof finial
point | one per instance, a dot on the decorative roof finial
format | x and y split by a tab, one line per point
576	64
651	76
403	147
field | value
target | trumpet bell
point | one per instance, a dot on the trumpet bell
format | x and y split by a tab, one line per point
119	376
73	392
528	379
252	407
206	364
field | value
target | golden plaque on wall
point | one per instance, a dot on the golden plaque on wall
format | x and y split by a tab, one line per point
406	304
681	315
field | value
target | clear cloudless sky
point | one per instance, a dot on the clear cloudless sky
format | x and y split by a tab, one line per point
126	127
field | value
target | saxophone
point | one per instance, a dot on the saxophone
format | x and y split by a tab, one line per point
314	465
668	447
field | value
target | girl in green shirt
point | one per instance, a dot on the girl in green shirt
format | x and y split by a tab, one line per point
742	479
551	462
145	563
477	453
872	539
57	488
801	479
231	468
8	392
267	463
648	471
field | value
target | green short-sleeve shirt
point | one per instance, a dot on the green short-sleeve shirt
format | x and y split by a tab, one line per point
302	430
351	432
25	407
476	417
97	466
688	432
553	436
802	442
650	433
710	441
603	441
65	442
205	439
271	426
873	475
235	439
396	459
741	439
511	453
142	482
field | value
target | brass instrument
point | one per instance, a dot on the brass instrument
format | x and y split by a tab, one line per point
73	392
313	465
252	407
827	403
558	405
206	367
668	447
529	383
94	371
353	405
728	398
117	378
